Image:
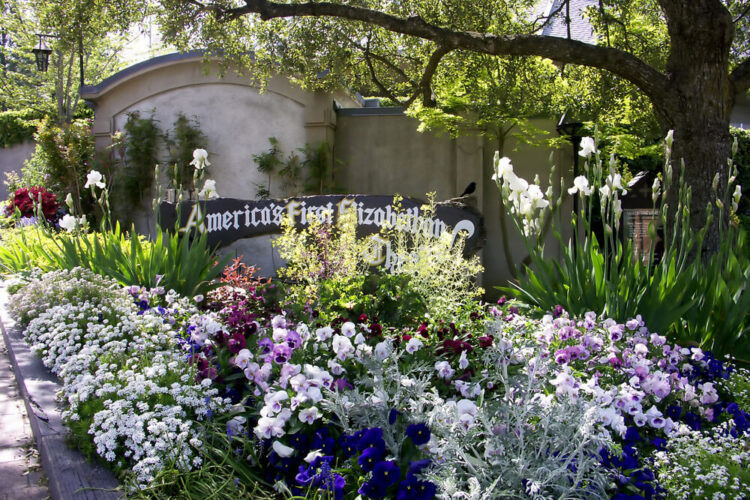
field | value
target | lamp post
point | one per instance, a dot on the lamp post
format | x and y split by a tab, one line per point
41	54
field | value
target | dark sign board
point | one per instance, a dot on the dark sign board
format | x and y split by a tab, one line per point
227	219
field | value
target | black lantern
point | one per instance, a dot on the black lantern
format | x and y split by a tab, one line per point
41	53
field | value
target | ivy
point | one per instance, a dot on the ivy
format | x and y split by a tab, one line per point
17	127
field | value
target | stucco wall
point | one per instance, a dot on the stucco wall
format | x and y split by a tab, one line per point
381	152
11	159
234	115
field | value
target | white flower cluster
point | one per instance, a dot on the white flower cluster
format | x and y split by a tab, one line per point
525	199
124	367
705	465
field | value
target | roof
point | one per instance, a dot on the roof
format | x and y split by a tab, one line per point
580	28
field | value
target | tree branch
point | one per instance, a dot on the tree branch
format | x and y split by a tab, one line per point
425	84
383	89
649	80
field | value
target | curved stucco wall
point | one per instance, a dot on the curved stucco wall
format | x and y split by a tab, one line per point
237	122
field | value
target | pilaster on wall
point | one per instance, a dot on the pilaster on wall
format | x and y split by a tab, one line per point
469	150
320	119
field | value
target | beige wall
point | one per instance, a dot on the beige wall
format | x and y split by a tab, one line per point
382	153
234	115
11	159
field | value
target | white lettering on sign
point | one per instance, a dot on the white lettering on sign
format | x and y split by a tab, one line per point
301	212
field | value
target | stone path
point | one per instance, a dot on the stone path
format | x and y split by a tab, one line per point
21	476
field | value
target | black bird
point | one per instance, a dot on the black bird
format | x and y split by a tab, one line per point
469	189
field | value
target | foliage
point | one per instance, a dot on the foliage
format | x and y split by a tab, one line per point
141	149
661	49
185	137
98	27
24	249
17	127
388	297
437	268
742	161
174	261
319	252
66	154
267	163
316	160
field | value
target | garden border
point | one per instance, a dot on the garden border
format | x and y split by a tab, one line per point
70	475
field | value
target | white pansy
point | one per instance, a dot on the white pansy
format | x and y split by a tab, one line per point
587	147
444	369
342	346
282	450
94	178
463	363
309	415
348	329
209	190
243	358
580	183
466	407
413	345
324	333
383	350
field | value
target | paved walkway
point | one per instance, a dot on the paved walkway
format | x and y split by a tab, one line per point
21	476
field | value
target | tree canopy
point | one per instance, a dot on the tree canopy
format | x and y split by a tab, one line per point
688	58
95	27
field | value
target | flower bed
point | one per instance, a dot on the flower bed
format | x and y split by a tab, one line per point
557	406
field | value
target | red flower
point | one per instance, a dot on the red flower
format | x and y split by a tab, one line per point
457	346
485	342
22	200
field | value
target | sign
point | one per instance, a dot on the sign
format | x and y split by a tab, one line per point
226	220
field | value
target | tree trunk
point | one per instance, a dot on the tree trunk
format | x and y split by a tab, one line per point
699	104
